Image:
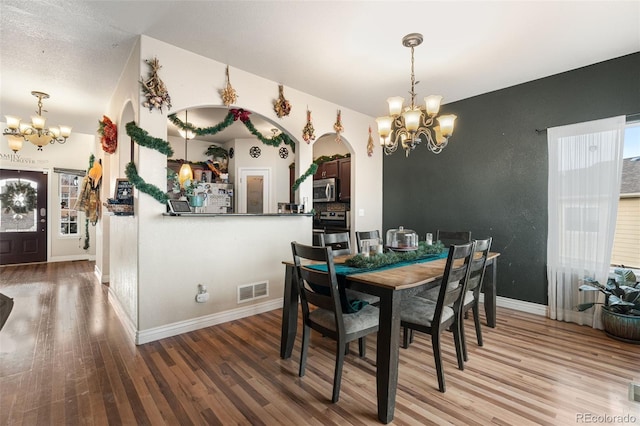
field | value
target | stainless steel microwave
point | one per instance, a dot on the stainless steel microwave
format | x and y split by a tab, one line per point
325	190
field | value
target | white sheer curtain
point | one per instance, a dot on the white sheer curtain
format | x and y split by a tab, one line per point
585	165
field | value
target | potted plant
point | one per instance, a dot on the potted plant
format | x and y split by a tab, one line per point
621	308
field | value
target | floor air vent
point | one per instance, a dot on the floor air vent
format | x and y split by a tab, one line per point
253	291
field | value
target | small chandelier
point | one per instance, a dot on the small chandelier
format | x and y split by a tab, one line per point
36	132
407	127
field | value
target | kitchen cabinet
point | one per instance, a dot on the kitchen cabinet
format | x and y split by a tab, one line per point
328	169
344	174
292	181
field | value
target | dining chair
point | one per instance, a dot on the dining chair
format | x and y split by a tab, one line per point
319	289
366	235
447	238
426	316
453	237
340	242
471	299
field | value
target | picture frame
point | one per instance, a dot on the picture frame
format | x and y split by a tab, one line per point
123	192
179	206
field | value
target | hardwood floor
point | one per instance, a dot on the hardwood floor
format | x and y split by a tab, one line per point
65	359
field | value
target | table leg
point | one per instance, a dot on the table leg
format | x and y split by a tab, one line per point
489	287
289	314
388	345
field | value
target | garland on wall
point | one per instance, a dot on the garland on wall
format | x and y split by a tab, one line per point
142	138
313	168
235	114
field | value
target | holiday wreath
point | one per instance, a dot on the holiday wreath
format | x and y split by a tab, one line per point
19	198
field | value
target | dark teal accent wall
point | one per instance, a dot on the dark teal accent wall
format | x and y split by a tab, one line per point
492	178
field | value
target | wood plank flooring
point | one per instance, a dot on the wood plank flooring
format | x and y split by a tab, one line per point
65	359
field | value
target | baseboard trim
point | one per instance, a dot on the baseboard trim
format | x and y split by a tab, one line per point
519	305
71	258
127	323
157	333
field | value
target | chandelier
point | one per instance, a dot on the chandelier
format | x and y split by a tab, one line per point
36	132
185	173
408	126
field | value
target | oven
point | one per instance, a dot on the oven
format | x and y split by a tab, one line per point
325	190
334	221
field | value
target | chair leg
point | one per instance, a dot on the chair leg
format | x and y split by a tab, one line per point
458	340
437	356
463	341
305	348
362	346
476	319
405	337
337	376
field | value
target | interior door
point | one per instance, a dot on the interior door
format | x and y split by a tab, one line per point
254	191
23	217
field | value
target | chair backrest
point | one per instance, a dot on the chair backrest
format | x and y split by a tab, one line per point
366	235
339	242
454	280
478	264
453	237
317	287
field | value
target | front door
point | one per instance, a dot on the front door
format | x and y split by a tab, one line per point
23	217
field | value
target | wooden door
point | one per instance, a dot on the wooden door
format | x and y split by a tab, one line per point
23	217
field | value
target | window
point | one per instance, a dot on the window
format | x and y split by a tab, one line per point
626	244
68	185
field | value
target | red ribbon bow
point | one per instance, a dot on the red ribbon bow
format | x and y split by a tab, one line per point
241	114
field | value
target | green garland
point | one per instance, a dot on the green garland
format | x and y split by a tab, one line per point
313	168
391	257
232	116
147	188
142	138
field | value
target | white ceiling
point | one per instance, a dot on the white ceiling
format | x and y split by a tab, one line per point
347	52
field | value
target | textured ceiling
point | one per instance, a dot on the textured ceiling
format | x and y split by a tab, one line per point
347	52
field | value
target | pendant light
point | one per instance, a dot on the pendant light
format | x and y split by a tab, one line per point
185	171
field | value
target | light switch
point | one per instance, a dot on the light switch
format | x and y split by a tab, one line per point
361	212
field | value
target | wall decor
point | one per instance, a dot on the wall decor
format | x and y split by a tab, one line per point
338	127
235	114
254	151
283	152
370	144
109	135
308	130
281	106
155	91
231	152
229	96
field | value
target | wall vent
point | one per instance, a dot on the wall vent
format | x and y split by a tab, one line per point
253	291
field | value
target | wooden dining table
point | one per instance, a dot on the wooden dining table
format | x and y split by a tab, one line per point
391	285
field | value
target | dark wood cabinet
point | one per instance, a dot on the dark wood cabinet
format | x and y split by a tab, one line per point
344	174
328	169
292	180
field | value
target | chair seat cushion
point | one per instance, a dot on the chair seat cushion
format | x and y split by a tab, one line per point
364	319
431	294
418	310
468	298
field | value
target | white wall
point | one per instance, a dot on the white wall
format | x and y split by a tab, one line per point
176	254
74	154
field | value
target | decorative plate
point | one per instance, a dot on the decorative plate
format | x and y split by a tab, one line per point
254	151
231	152
284	152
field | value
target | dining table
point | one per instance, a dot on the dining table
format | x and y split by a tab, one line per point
391	285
